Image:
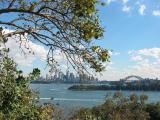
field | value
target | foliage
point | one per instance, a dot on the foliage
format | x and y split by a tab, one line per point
117	85
35	74
17	100
67	26
117	107
154	111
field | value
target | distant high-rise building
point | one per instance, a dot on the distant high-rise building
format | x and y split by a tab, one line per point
67	75
72	78
60	75
48	77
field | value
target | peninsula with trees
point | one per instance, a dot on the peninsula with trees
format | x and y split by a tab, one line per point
143	85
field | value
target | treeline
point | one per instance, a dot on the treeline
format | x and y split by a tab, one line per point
129	86
119	107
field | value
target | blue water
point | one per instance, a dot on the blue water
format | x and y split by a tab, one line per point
76	99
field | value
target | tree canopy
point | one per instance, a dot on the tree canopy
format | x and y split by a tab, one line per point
17	100
68	26
117	107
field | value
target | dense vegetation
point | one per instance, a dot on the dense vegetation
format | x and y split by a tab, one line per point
129	86
119	107
17	100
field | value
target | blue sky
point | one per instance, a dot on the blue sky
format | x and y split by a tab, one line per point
132	25
132	32
129	29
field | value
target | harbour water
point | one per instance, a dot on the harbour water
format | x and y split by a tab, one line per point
67	99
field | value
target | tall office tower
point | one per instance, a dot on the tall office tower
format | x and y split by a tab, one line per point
47	77
77	79
60	77
72	79
67	76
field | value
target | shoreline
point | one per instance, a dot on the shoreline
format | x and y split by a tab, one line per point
113	88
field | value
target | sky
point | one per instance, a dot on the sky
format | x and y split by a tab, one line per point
132	31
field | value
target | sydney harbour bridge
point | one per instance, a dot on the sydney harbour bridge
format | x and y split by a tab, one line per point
132	78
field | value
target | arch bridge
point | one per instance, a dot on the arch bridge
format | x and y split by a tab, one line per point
132	76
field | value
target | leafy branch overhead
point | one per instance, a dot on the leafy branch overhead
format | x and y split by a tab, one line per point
69	26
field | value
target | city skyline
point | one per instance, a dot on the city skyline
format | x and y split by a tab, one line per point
68	77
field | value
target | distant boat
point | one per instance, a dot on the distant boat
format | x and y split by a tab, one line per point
57	104
52	98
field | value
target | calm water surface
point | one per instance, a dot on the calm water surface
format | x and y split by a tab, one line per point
73	99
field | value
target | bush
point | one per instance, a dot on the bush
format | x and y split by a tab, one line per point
17	100
116	108
154	111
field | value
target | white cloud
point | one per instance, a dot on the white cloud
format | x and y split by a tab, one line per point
113	73
23	55
130	51
126	8
110	1
136	58
137	3
156	12
147	62
116	53
111	53
146	69
142	9
143	68
125	1
151	52
144	63
26	59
